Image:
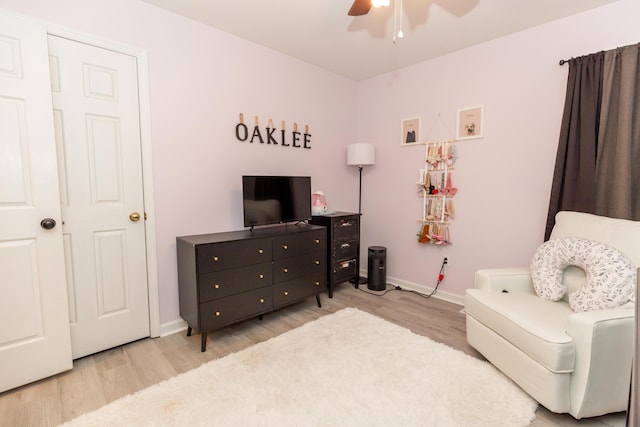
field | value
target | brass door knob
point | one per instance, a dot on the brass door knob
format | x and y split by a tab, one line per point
134	216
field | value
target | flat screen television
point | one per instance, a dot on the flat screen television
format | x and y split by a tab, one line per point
275	199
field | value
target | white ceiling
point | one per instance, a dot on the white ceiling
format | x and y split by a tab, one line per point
320	31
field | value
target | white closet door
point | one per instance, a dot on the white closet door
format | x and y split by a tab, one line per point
96	115
34	323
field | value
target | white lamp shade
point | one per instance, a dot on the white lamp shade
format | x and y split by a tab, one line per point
361	154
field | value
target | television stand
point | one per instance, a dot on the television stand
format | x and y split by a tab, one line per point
224	278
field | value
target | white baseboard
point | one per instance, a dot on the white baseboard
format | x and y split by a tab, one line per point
172	327
180	325
410	286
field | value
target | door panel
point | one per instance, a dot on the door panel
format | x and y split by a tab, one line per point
34	326
95	97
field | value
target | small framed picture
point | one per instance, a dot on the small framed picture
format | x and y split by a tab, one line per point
470	122
410	131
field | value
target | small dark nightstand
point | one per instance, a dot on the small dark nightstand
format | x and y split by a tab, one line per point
343	247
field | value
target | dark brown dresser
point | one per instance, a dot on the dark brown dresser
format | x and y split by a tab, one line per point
224	278
343	247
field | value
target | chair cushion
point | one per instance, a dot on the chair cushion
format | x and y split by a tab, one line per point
610	275
534	325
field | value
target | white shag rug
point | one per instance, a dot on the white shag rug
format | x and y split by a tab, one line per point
348	368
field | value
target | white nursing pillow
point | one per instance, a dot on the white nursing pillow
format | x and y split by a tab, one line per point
611	277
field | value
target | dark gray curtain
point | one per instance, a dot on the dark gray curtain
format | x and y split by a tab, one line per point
618	158
574	177
598	160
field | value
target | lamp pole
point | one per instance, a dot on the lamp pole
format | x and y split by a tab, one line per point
360	192
358	280
360	155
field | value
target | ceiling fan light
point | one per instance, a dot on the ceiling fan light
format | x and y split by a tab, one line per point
380	3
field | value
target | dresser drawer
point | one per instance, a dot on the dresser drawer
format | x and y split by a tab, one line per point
223	311
220	284
294	267
343	270
222	256
295	244
346	229
294	290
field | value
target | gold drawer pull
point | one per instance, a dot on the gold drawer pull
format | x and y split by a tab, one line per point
316	241
261	300
216	286
317	262
345	224
218	314
285	247
317	283
261	276
260	251
285	270
345	245
286	293
345	264
216	259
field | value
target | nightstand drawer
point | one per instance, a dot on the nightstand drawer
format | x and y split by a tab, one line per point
220	284
343	270
345	250
346	229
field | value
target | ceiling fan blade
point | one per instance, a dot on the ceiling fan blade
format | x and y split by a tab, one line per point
359	8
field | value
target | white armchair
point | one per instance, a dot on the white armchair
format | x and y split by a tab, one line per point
575	362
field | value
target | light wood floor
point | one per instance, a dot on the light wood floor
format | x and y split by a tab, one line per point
101	378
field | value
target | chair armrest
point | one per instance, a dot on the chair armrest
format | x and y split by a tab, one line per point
603	341
505	279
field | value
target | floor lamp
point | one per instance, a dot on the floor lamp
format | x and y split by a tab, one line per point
360	155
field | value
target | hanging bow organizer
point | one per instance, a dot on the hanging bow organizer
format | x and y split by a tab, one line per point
437	192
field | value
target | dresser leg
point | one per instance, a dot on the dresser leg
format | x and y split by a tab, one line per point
203	346
318	301
189	331
330	291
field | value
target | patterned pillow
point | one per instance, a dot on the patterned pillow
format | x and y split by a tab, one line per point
611	278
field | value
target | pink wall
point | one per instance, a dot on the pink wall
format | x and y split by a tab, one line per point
504	179
201	78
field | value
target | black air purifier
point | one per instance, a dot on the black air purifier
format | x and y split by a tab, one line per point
377	268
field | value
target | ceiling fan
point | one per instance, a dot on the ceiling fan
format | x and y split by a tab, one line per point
359	8
362	7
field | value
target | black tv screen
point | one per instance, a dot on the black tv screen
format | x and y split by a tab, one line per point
275	199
